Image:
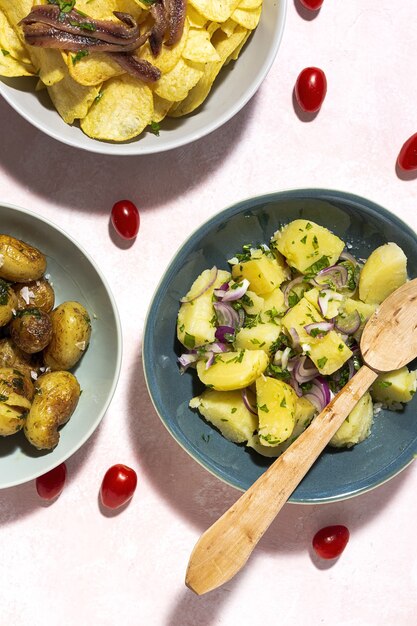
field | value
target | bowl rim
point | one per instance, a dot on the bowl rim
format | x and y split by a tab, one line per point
225	214
116	149
52	464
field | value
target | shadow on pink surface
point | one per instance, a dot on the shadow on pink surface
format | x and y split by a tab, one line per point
51	169
200	498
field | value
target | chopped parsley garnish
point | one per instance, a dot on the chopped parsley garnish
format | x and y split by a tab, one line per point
154	128
189	340
283	402
263	408
304	239
80	55
384	383
315	242
4	292
293	299
322	362
3	398
4	52
275	371
317	266
309	226
233	411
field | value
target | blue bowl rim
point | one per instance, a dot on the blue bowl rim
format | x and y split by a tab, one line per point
325	194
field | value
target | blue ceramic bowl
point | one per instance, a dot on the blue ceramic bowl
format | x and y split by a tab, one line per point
337	474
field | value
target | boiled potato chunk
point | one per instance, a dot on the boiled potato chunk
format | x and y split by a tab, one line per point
304	413
264	274
299	316
252	303
356	426
273	305
194	324
260	337
334	305
384	271
233	370
329	353
396	386
276	403
303	243
227	412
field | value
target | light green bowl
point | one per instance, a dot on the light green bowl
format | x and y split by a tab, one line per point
75	276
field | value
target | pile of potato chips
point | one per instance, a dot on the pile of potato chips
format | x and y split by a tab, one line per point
110	104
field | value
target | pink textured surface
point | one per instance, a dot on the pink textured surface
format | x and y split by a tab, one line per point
68	563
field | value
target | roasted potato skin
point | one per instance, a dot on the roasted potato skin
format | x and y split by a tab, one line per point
13	383
31	330
12	356
71	330
8	302
20	261
40	294
11	419
56	397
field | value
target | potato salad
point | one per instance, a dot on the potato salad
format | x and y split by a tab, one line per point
275	336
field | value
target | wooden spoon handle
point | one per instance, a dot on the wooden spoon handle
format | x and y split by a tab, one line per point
226	546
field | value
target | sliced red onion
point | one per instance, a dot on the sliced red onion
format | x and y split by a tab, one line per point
246	402
324	298
222	331
294	337
234	292
290	286
351	369
346	256
348	324
319	329
304	370
226	314
285	358
219	293
294	384
210	280
217	347
335	274
319	394
185	360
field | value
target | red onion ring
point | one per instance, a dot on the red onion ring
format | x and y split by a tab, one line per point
321	327
246	402
210	280
349	324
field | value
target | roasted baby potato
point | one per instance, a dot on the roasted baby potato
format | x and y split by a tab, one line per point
16	385
71	330
31	330
37	294
8	303
56	397
12	419
12	356
20	262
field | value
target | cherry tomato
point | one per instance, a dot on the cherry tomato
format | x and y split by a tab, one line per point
51	484
118	486
407	159
125	219
310	89
312	5
329	542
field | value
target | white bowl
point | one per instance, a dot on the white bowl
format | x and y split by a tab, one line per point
235	85
75	276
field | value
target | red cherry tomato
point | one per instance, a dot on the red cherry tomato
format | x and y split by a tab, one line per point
312	5
125	219
310	89
51	484
407	159
329	542
118	486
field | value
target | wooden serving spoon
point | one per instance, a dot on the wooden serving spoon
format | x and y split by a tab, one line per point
389	341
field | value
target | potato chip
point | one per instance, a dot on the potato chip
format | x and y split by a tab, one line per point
72	100
195	19
234	55
16	10
199	47
160	108
214	10
10	42
123	110
229	27
11	67
247	18
212	27
177	83
93	69
225	47
168	57
103	9
249	4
